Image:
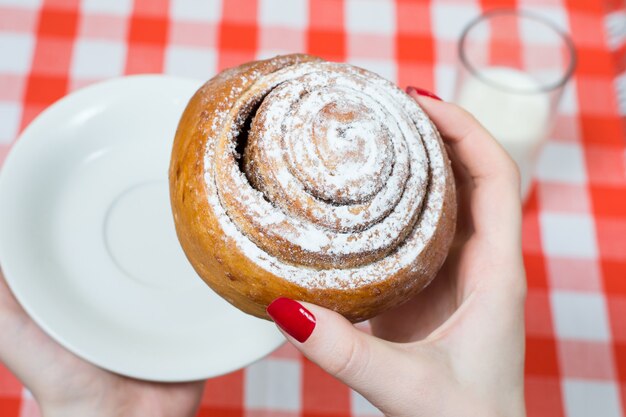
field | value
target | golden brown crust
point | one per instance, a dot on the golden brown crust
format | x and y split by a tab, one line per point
221	261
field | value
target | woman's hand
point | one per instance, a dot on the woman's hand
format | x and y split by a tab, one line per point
457	349
65	385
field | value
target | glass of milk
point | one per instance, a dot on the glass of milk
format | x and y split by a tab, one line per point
513	66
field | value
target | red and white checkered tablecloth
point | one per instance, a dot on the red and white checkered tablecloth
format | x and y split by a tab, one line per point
574	222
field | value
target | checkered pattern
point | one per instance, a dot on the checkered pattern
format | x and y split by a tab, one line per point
574	222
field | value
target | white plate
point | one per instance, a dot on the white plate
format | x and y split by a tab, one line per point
87	240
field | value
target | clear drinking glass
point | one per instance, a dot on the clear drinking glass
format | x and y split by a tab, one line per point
513	66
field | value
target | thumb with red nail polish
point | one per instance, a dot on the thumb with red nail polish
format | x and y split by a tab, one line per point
292	317
358	359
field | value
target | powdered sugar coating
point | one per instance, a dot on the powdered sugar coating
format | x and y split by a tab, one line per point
410	142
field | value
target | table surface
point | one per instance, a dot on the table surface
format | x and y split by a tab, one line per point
574	230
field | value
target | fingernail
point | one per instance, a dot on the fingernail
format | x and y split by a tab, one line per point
292	317
422	92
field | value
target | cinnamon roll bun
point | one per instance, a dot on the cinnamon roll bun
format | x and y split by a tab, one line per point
313	180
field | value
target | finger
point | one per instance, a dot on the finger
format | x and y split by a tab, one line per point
464	187
14	324
495	206
477	150
24	348
367	364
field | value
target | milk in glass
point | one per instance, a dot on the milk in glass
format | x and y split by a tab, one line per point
512	106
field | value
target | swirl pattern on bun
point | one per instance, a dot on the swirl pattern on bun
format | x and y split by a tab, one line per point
313	180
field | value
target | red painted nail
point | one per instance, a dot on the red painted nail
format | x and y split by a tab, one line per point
292	317
422	92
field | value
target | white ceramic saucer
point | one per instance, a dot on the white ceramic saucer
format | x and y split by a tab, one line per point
87	240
